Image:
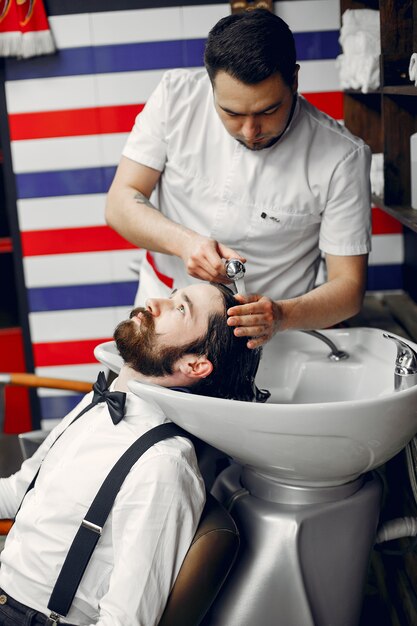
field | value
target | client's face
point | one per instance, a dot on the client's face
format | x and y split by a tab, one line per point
156	336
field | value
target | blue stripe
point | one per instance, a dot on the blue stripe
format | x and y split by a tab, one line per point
152	55
82	296
317	45
64	182
57	407
385	277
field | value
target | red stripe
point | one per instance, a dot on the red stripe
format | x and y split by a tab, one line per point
384	224
117	119
72	240
169	282
66	352
72	122
330	102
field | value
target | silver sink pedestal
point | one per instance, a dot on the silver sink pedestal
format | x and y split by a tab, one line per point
304	552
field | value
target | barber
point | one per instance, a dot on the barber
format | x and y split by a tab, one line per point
244	167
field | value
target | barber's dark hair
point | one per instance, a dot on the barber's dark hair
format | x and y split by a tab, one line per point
234	364
251	46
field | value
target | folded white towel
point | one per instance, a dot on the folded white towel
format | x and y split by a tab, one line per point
361	44
361	19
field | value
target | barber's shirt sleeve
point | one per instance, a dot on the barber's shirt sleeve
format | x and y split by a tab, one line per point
346	220
153	522
147	143
13	488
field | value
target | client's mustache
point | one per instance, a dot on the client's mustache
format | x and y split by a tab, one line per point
147	317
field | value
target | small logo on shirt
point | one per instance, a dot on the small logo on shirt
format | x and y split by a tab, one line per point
270	217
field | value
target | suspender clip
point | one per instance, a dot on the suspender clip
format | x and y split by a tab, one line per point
53	619
90	526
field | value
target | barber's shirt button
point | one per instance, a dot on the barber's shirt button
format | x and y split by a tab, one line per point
3	599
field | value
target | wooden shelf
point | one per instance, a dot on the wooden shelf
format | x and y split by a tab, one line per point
359	92
395	90
386	118
405	215
400	90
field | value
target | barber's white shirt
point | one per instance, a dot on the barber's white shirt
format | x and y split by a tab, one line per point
145	538
279	207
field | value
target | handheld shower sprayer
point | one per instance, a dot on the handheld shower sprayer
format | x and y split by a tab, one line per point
235	270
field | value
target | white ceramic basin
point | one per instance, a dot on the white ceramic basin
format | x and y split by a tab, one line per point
325	423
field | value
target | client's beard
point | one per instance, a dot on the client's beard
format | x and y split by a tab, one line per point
137	346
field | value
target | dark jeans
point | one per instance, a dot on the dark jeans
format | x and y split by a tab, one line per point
14	613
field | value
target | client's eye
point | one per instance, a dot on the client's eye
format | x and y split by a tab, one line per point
181	308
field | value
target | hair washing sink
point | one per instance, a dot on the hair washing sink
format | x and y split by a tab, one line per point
306	512
326	422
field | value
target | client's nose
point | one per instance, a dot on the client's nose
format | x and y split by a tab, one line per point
155	306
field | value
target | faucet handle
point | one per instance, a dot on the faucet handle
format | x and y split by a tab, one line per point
406	361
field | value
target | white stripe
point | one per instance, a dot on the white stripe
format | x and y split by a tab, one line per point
387	250
71	31
198	20
80	269
79	92
61	153
61	212
85	371
309	15
49	94
127	87
116	27
51	326
120	27
318	76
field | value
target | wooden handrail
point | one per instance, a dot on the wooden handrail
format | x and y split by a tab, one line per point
32	380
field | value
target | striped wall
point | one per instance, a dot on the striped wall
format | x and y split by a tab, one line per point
69	116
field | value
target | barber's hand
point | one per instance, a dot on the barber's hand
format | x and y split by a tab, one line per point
256	316
203	258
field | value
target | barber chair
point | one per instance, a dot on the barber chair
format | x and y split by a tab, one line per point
209	558
205	567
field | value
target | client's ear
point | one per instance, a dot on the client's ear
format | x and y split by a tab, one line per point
194	366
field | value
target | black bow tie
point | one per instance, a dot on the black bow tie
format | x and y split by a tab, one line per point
115	400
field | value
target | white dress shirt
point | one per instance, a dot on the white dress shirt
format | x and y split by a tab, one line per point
279	207
145	538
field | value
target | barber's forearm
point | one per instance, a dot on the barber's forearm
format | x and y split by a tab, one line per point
132	215
328	304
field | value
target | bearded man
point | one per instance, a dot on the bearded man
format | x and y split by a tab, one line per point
181	341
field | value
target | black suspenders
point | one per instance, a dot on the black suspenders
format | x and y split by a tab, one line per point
91	527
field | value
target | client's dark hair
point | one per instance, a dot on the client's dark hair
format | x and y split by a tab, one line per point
234	364
251	46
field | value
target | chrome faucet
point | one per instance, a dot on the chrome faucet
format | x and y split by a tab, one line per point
405	373
335	354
